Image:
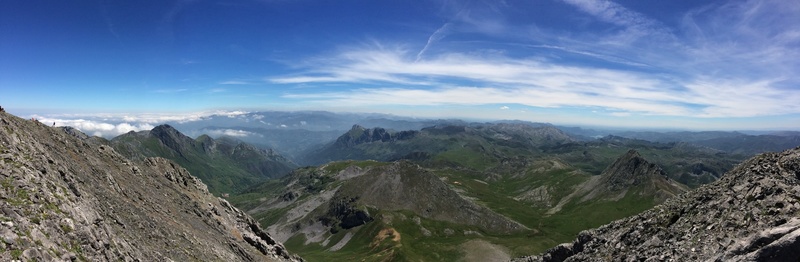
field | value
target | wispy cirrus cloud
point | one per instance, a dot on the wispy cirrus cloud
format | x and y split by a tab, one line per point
436	36
710	67
610	12
235	82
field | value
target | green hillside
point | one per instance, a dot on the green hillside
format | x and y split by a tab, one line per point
225	165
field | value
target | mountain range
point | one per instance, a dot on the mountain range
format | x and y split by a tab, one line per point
496	186
292	134
403	190
558	183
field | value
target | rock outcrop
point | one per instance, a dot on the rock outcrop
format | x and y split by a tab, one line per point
752	213
360	135
65	199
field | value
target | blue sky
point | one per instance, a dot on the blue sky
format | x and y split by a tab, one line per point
674	64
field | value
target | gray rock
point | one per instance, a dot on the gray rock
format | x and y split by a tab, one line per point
69	200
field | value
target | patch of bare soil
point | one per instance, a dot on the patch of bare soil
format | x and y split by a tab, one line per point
384	234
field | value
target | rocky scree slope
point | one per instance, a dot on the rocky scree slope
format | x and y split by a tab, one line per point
752	213
66	199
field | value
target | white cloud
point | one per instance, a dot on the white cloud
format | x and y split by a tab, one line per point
97	127
504	108
229	132
231	114
487	96
111	125
726	60
608	11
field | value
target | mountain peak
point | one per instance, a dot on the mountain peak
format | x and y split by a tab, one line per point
632	153
172	138
164	127
164	130
630	169
631	173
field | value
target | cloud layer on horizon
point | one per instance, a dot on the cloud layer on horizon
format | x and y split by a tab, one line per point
112	125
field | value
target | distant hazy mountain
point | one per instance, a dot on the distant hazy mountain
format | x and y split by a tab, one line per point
361	143
311	121
684	136
225	165
730	142
293	133
507	147
751	145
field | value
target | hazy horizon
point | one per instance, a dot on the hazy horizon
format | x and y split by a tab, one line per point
110	125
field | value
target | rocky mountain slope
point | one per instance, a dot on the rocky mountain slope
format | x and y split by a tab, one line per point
319	205
225	165
751	214
630	179
403	185
631	172
66	199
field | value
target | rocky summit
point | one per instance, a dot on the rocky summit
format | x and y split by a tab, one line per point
64	199
751	214
631	171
